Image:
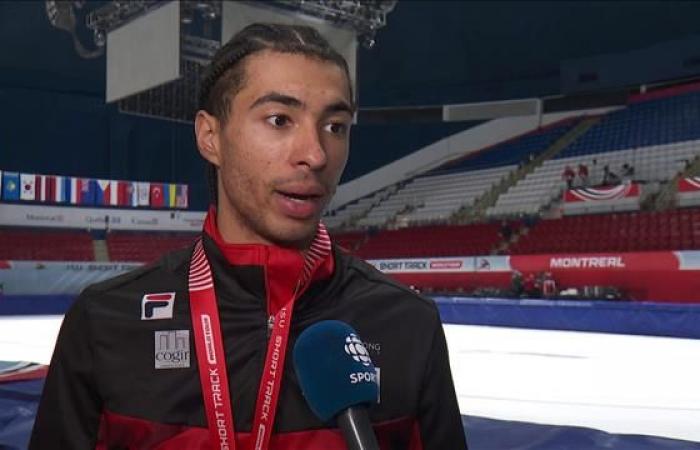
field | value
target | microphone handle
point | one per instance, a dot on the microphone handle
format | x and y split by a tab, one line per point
357	429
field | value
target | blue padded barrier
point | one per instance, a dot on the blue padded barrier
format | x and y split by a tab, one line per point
638	318
491	434
26	305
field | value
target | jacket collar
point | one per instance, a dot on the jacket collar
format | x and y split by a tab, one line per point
287	271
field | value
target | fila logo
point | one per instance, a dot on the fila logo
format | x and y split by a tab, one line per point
157	306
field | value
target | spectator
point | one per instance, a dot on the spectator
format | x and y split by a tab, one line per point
506	231
610	178
568	175
530	285
583	174
516	283
549	285
593	175
627	172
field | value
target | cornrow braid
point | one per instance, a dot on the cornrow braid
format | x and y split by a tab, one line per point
224	77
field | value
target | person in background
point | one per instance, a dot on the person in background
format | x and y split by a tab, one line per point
146	360
549	285
627	172
583	175
568	176
610	178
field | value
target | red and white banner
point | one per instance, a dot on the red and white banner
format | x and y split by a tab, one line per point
690	184
663	276
598	194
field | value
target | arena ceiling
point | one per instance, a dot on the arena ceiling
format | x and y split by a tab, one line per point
429	52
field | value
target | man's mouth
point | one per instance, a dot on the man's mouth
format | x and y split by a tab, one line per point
300	204
300	197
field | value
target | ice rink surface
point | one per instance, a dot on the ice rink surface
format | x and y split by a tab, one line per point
615	383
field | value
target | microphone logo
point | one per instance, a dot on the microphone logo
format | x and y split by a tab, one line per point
356	349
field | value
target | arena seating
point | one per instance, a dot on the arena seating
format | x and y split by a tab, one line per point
657	137
341	216
440	193
145	247
677	229
349	241
427	241
45	245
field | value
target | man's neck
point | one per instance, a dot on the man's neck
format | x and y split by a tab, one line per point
232	233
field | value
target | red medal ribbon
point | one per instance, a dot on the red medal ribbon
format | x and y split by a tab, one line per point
210	350
211	358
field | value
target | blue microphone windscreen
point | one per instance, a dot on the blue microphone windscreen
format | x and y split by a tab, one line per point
334	369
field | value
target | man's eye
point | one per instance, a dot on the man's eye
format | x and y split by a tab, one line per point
278	120
336	128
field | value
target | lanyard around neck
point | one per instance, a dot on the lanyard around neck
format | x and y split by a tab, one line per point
211	360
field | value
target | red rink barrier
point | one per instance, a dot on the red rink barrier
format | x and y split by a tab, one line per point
653	276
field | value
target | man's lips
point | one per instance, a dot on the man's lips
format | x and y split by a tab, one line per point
300	203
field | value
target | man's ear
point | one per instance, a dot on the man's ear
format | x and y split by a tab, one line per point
207	133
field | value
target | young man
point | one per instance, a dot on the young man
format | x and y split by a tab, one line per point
192	352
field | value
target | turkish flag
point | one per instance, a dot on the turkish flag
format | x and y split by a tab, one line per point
157	195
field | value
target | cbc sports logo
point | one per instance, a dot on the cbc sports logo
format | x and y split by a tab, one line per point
356	349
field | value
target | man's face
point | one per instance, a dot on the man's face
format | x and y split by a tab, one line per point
283	149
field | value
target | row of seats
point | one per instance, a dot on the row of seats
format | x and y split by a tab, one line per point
45	245
652	122
652	164
428	241
677	229
145	247
441	192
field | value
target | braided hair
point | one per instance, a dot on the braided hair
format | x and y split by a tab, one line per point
224	77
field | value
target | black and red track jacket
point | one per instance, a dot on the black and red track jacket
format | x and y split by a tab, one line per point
104	392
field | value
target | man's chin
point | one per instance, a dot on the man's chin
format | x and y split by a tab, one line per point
298	236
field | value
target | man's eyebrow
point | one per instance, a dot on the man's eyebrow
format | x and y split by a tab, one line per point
276	97
339	106
288	100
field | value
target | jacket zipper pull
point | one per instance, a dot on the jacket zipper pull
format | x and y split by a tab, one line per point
270	325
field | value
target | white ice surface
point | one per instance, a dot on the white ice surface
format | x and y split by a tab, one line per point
615	383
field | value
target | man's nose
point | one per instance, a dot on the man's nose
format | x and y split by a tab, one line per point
308	148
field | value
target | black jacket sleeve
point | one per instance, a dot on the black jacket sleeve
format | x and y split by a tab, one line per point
440	420
69	413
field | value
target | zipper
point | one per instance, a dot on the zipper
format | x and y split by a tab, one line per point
270	326
271	317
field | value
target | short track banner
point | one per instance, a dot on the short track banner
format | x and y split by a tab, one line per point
602	194
664	276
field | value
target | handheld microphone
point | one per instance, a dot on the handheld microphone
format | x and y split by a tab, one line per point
338	379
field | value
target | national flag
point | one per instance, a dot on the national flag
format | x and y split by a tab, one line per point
144	193
10	186
45	187
28	183
113	193
157	195
181	196
87	191
127	193
102	192
172	194
59	189
70	185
